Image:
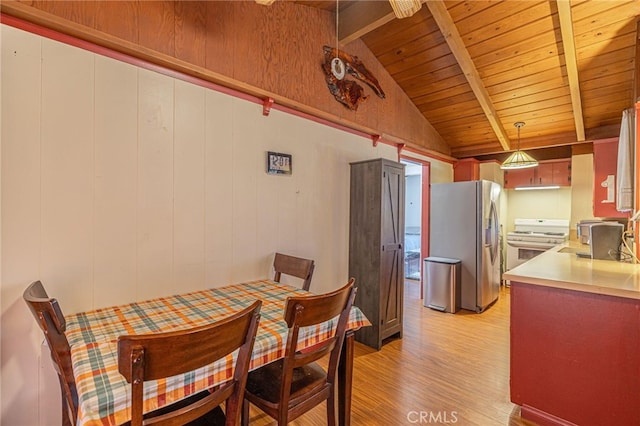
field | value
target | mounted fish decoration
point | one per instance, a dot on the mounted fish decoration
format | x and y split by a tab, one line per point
336	64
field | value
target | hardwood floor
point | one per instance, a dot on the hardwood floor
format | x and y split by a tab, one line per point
446	369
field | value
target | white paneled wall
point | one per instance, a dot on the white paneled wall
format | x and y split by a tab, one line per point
121	184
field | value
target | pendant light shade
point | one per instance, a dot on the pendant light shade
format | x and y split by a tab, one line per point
405	8
265	2
519	159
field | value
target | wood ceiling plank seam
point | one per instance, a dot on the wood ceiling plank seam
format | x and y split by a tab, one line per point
548	79
439	11
451	99
618	59
543	106
541	28
625	75
506	53
436	86
453	114
615	68
533	16
446	75
436	96
474	125
532	57
433	50
608	32
571	62
407	70
421	46
495	14
622	89
436	74
449	126
506	99
595	49
550	65
586	11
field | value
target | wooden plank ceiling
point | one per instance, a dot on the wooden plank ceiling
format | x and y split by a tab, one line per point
474	68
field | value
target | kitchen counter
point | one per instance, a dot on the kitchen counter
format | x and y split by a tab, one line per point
560	267
575	334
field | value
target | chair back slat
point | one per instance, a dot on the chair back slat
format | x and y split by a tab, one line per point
155	356
295	267
51	321
312	310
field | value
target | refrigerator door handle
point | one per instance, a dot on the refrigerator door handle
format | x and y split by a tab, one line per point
496	233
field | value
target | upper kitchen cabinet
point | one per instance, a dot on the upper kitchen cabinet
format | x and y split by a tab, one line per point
466	169
605	163
552	172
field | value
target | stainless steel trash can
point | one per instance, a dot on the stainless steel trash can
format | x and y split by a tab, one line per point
441	282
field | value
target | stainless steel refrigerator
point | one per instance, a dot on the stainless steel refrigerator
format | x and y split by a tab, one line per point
464	225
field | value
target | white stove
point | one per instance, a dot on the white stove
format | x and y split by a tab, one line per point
532	237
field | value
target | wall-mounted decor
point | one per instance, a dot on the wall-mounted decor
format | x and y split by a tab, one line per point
278	163
348	92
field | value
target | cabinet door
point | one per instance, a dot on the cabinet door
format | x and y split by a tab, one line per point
518	177
544	174
392	255
562	173
466	169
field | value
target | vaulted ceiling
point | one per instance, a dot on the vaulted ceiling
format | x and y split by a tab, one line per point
474	68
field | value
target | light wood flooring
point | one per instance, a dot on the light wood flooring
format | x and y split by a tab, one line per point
446	369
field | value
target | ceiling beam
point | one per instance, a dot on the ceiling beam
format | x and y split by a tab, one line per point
361	18
571	62
538	142
450	32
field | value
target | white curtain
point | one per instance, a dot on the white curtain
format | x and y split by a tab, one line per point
624	174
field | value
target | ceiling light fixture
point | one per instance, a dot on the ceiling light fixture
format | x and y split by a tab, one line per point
519	159
405	8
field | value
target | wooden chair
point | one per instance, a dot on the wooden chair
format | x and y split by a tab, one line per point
154	356
294	266
49	316
287	388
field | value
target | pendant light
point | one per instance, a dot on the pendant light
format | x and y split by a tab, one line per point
519	159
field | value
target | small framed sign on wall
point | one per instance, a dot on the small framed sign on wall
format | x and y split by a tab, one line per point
278	163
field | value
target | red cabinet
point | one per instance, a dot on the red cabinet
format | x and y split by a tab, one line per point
466	169
605	158
553	172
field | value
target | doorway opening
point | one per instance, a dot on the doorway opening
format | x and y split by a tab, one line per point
417	202
412	219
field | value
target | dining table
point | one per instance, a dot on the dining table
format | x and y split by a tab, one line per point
104	396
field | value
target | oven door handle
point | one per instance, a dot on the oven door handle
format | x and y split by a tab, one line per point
530	244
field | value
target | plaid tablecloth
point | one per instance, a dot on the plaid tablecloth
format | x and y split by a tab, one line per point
104	394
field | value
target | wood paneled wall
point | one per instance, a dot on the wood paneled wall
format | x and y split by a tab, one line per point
275	50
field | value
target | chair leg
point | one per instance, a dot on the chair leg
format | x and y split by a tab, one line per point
244	417
331	410
66	419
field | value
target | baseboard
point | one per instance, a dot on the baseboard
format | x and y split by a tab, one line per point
542	418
